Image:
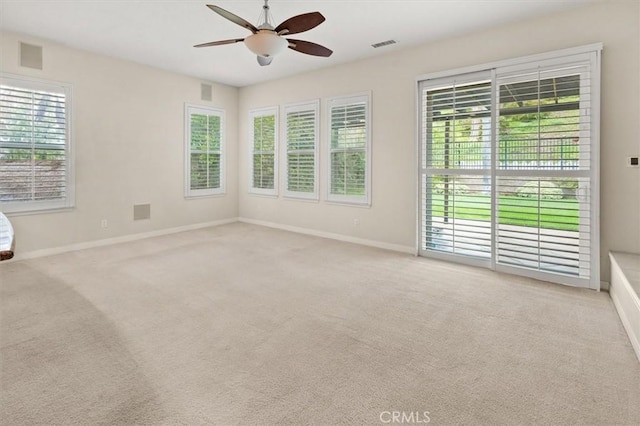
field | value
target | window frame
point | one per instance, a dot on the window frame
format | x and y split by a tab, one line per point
336	101
189	110
292	108
68	202
253	114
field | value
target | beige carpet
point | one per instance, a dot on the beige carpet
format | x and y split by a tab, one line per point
247	325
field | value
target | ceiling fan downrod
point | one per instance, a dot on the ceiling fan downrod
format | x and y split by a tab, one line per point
266	17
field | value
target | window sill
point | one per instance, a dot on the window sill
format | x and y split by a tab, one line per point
40	211
309	199
263	194
361	205
201	196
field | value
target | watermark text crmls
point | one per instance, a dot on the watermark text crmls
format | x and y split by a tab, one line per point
405	417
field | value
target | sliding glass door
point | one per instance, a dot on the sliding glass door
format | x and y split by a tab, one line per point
456	172
544	170
508	176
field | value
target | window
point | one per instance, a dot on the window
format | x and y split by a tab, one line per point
509	167
35	145
349	150
301	133
264	142
204	146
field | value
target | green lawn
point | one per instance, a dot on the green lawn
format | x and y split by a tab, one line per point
550	214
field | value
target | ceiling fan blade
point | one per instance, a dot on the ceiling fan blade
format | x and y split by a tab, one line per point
300	23
220	42
233	18
309	48
264	61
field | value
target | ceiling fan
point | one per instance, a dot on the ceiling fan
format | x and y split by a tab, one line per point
267	40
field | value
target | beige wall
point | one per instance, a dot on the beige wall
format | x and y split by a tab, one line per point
128	141
391	79
128	133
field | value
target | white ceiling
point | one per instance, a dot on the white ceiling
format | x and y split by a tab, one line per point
161	33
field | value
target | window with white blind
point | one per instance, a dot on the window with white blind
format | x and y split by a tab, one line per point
349	150
509	167
457	162
35	145
544	169
264	144
301	134
204	151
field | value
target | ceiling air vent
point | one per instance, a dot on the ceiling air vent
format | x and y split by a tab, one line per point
383	43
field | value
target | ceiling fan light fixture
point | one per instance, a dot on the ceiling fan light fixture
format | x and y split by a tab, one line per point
266	43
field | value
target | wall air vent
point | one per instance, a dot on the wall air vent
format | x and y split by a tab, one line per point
30	56
141	211
383	43
206	92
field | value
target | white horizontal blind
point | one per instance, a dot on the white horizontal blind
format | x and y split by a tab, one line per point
509	167
205	156
301	130
263	151
543	170
544	224
456	169
34	146
349	148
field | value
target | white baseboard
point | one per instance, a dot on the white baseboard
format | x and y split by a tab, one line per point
332	236
118	240
133	237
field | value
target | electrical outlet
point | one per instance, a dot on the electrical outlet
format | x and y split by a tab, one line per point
104	223
356	222
632	162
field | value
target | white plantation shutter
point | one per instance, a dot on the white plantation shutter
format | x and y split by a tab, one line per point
549	161
301	132
264	140
560	241
509	167
205	151
35	168
456	174
349	150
